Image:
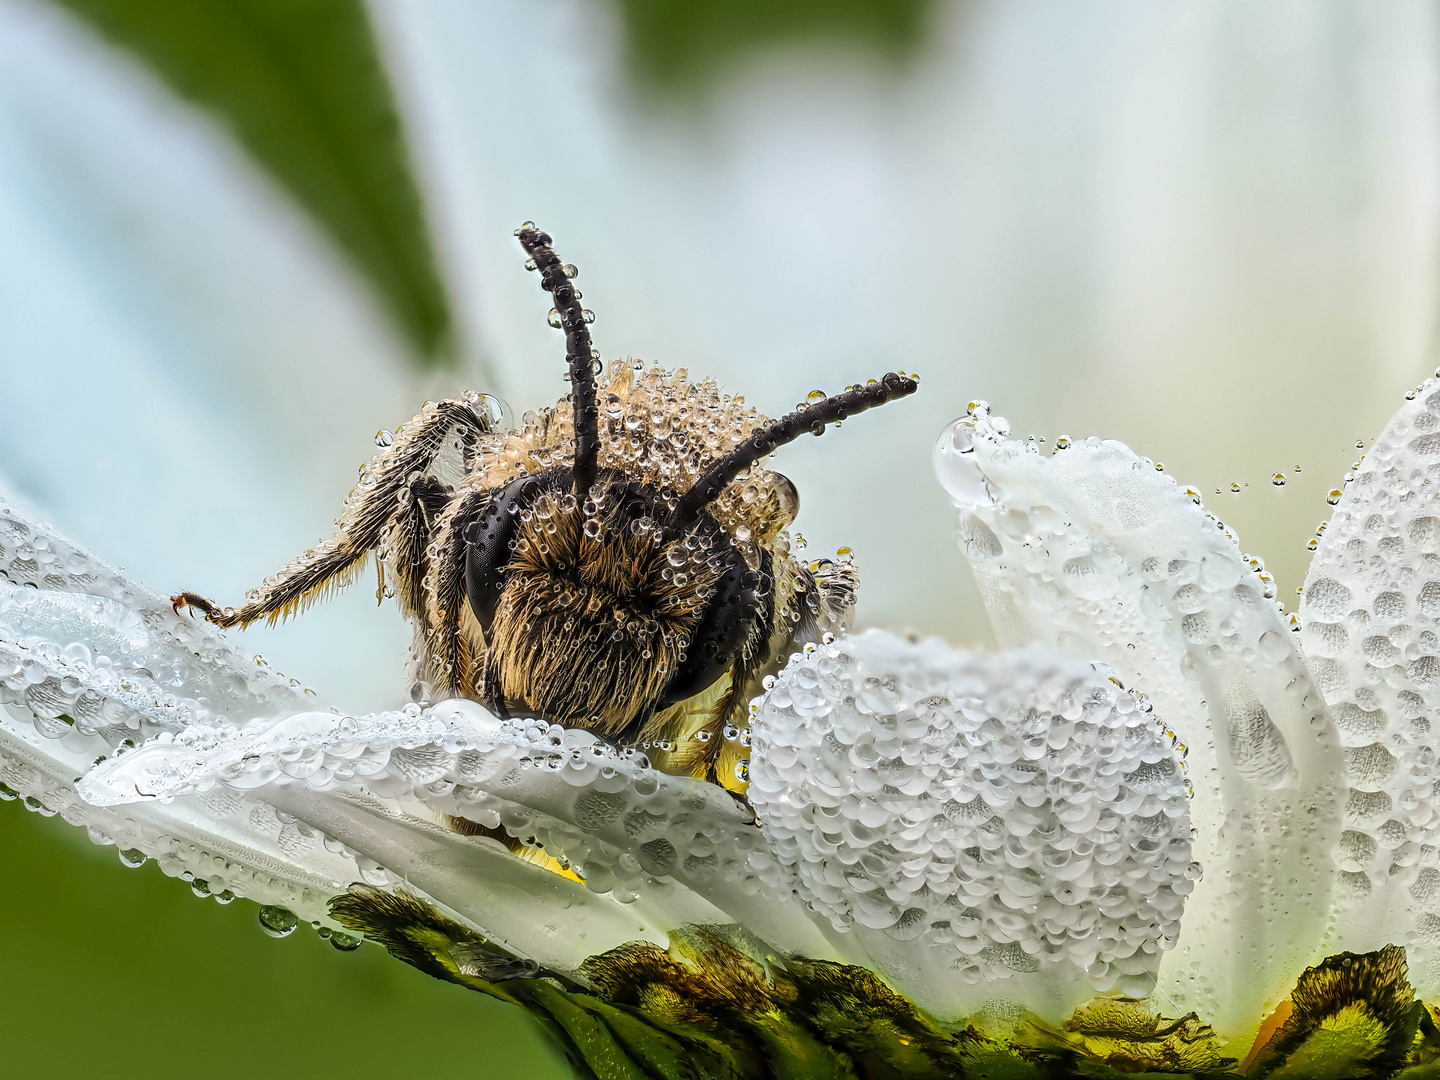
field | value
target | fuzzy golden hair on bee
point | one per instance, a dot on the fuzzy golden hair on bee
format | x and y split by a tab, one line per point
619	561
590	627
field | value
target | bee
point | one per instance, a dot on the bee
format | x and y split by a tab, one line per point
619	562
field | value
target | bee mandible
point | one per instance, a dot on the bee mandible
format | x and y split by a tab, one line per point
619	562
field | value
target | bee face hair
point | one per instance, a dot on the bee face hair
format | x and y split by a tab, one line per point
618	561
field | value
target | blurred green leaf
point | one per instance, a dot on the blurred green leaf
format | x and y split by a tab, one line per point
302	86
682	45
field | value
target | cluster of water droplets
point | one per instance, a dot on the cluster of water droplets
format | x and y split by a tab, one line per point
657	426
601	810
1005	812
1370	614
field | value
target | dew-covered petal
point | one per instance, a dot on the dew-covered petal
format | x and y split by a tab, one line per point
89	661
1371	615
59	601
675	848
1095	551
215	841
974	820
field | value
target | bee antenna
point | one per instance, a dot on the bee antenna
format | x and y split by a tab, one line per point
555	279
777	433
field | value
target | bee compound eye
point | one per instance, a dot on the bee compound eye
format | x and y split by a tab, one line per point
720	635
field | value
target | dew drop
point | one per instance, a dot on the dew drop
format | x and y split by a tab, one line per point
384	438
1278	479
278	922
1334	496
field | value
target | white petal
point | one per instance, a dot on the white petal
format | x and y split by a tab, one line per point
1093	550
682	847
89	659
974	818
1371	614
60	597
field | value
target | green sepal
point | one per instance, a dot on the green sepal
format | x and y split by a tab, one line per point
720	1005
1353	1017
715	1006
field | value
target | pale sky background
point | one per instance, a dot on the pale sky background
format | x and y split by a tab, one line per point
1207	229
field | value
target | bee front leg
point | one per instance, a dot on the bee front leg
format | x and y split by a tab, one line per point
374	504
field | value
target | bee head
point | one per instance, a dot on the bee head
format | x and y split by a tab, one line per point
598	612
604	595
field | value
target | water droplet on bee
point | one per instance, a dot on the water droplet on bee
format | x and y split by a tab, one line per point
815	397
384	438
1334	496
570	270
1235	488
1311	544
592	529
742	771
587	315
553	318
1278	479
1359	444
1062	442
529	264
132	857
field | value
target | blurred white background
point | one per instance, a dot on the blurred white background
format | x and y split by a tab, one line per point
1206	229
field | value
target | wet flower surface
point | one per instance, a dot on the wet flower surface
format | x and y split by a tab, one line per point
1170	828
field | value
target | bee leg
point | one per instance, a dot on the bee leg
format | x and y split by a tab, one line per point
373	505
490	692
194	601
451	669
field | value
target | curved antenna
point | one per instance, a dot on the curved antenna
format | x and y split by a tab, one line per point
555	279
788	428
